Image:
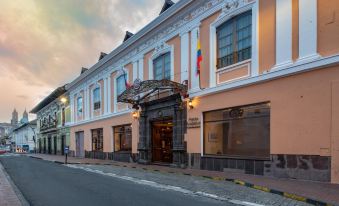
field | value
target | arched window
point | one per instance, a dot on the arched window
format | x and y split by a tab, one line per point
234	40
121	87
79	106
162	67
96	98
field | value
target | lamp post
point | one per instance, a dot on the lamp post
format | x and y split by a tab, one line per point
64	100
34	138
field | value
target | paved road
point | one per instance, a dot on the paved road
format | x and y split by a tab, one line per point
46	183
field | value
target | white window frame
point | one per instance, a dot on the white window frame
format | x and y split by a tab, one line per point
97	85
82	106
224	17
115	94
160	50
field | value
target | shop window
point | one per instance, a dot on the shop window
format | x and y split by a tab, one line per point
97	140
162	67
121	86
79	106
234	40
96	98
240	131
123	138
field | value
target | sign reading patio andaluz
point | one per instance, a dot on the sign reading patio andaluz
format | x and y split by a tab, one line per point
193	122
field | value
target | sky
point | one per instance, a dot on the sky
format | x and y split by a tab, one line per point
45	43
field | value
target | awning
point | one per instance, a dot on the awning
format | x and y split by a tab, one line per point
137	93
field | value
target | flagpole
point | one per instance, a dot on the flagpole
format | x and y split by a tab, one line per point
199	55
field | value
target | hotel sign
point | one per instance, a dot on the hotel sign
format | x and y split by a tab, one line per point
193	122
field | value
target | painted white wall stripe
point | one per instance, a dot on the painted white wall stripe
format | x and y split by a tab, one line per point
283	33
184	44
194	77
307	29
141	68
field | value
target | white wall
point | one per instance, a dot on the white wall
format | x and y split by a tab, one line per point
20	137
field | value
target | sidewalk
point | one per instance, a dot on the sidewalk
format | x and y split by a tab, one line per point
7	195
316	193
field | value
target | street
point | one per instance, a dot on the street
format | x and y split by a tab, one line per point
47	183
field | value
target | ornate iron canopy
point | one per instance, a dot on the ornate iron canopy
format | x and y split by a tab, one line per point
142	89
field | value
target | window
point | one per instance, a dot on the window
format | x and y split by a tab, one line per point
96	98
234	40
97	140
123	138
162	67
79	105
121	87
239	131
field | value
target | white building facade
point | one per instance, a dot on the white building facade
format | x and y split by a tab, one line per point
24	137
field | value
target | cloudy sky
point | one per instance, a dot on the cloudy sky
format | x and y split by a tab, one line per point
44	43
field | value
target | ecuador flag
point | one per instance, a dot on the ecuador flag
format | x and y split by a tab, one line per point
199	56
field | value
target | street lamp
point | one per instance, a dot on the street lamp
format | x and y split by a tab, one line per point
34	138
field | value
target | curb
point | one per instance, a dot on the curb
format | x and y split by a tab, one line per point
281	193
235	181
247	184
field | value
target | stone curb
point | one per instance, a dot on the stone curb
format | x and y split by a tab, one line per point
236	181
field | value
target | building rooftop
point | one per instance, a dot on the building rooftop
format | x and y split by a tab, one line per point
50	98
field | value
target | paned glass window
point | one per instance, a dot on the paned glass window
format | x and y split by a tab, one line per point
79	105
234	40
96	98
121	87
162	67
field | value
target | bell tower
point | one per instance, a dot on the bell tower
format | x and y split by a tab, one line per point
14	120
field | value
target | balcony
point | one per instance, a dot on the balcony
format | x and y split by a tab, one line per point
49	126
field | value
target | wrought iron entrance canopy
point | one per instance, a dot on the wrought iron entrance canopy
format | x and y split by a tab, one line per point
137	93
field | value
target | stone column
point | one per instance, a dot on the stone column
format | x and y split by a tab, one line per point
142	145
179	148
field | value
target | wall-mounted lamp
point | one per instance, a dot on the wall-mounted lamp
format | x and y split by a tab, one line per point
190	104
135	114
63	100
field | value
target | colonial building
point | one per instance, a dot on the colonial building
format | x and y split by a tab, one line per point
5	130
248	86
25	137
53	116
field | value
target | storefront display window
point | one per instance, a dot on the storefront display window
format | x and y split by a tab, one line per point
97	140
123	138
238	131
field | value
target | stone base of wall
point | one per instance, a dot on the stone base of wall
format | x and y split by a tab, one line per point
116	156
305	167
246	166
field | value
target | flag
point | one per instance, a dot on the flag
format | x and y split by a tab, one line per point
127	85
199	56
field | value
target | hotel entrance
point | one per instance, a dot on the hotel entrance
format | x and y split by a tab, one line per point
162	120
162	141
